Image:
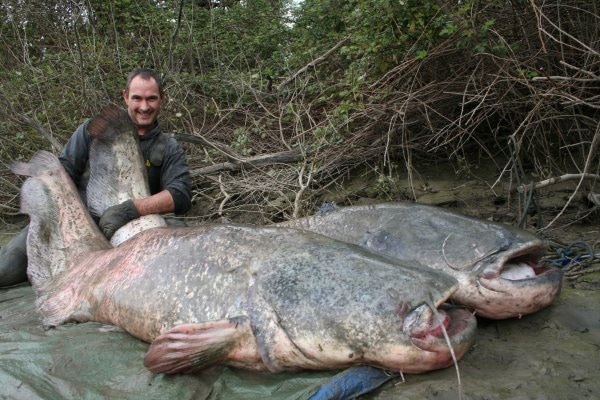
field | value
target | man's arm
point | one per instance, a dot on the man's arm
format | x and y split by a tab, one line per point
175	197
75	154
175	177
118	215
159	203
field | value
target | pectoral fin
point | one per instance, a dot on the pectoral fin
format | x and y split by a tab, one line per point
191	347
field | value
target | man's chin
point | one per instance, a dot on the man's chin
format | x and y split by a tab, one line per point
144	123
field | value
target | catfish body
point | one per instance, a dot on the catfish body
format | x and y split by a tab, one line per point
261	298
497	266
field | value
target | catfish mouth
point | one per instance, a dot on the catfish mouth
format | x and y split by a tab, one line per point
526	268
522	265
426	330
514	284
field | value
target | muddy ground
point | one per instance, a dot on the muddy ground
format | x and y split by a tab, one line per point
553	354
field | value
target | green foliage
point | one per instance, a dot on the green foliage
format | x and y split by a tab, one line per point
382	32
242	36
241	141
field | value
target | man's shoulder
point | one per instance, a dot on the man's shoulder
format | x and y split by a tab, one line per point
169	140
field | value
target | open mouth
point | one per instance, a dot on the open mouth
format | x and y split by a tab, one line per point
516	284
525	268
426	329
519	265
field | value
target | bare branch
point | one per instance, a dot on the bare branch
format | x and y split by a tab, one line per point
312	63
284	157
556	179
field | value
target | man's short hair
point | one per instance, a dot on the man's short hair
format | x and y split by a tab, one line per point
145	73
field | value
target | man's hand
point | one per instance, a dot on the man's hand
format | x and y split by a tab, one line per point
117	216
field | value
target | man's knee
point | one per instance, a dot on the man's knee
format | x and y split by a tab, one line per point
13	260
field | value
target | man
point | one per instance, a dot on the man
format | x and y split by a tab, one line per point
167	171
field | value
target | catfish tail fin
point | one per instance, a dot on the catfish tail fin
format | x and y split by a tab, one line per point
110	123
60	230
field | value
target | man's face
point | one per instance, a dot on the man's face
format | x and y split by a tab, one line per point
143	103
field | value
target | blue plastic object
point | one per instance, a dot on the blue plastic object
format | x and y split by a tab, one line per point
352	383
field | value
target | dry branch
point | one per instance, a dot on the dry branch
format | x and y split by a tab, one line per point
312	63
9	112
198	139
555	179
284	157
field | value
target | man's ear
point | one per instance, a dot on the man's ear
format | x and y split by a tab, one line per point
125	95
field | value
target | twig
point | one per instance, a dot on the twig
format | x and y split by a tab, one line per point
199	139
312	63
583	71
553	180
588	161
19	118
576	274
303	187
563	78
41	130
225	199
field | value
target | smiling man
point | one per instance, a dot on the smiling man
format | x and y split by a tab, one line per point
143	96
166	166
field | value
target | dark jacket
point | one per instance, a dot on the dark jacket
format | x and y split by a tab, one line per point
166	164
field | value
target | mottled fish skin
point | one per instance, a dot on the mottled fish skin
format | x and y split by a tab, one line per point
117	171
76	235
474	251
262	298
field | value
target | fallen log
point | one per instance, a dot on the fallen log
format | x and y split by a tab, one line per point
284	157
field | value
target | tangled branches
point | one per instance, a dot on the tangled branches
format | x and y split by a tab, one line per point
533	85
500	88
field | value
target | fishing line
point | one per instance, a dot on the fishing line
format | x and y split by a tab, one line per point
441	323
470	266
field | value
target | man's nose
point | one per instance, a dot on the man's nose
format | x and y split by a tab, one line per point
144	106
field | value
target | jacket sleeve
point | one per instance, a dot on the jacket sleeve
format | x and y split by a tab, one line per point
175	176
74	156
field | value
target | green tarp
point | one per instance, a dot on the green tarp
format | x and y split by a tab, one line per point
95	361
553	354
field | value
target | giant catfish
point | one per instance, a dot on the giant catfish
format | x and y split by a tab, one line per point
497	266
260	298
